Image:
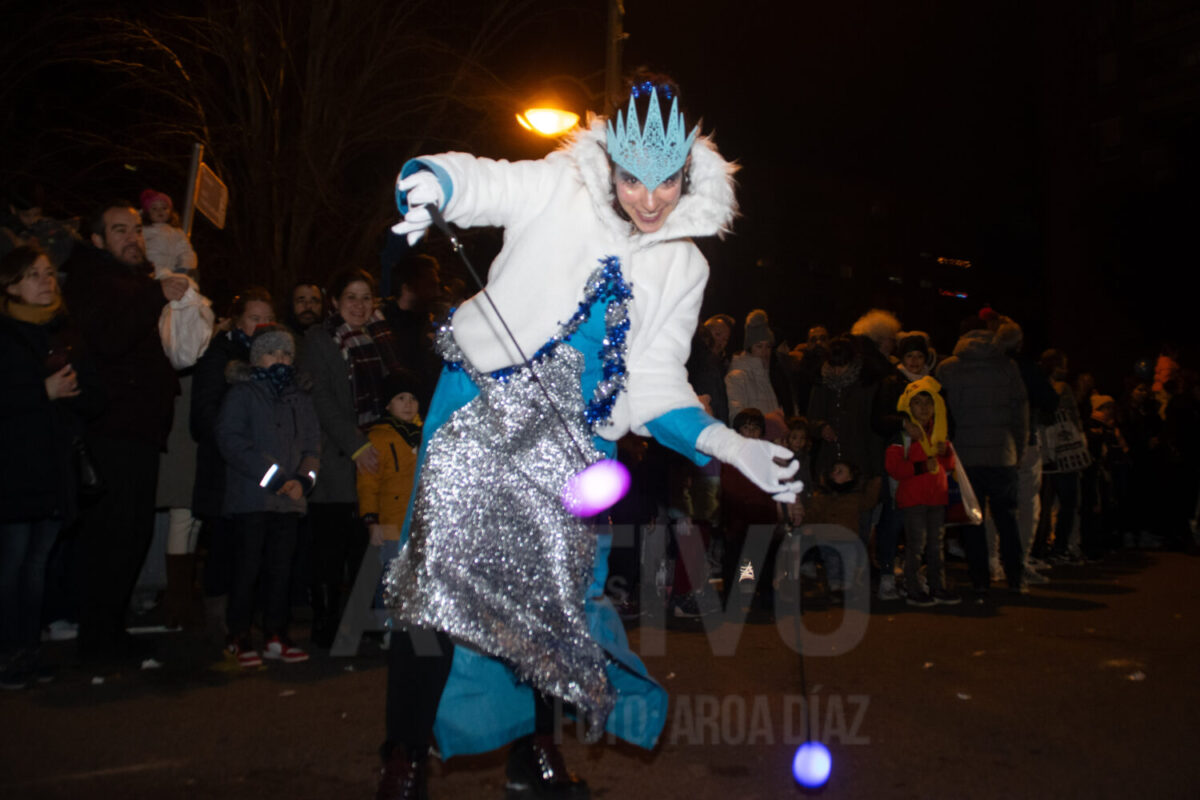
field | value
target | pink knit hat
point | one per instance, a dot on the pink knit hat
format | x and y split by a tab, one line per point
150	195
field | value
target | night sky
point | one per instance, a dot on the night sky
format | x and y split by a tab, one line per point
869	133
874	137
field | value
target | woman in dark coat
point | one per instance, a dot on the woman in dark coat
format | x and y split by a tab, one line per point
346	357
46	390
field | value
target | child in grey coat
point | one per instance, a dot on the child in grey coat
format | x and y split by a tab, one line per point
268	434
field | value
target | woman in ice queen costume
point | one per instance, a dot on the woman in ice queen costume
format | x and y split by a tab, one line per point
601	285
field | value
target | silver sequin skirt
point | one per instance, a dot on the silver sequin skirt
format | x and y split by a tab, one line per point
493	558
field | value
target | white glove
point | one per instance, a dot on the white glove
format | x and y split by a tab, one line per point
754	458
416	191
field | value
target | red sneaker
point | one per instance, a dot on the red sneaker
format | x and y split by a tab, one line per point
279	648
245	655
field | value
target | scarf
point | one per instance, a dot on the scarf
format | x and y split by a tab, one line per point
913	376
371	354
279	376
37	315
410	432
240	337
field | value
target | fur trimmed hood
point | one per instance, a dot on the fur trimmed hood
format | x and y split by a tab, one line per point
977	344
708	208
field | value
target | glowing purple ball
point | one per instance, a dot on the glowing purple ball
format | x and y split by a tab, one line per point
812	765
596	488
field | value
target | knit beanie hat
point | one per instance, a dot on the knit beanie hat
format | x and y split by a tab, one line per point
913	342
149	196
268	339
757	329
402	380
721	319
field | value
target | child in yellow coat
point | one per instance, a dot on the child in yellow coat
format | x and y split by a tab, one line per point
383	495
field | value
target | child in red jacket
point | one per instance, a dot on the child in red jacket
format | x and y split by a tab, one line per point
921	466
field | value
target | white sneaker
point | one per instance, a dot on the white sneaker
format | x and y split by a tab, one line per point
1038	564
887	588
997	569
60	631
746	576
1033	576
954	548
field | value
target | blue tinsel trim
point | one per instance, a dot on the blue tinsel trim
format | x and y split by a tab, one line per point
605	284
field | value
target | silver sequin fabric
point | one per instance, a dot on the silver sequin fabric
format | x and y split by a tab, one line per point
493	558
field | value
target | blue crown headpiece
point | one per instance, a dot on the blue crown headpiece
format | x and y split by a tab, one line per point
650	153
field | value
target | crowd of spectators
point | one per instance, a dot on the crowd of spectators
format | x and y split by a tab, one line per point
286	449
252	445
888	433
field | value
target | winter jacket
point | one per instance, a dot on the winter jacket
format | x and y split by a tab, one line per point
748	385
333	398
208	390
744	504
985	393
385	493
1043	400
37	468
116	308
707	376
846	407
559	223
906	462
412	333
168	249
257	430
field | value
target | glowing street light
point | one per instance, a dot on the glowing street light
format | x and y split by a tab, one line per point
548	121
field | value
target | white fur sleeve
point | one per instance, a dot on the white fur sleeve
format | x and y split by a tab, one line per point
487	192
663	322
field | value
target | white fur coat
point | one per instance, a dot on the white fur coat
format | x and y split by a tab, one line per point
558	220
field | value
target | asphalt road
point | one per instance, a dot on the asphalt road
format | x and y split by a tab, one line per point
1086	688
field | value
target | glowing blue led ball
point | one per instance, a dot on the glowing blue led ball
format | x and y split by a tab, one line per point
596	488
812	764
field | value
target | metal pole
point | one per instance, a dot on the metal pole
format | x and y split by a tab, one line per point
612	64
189	205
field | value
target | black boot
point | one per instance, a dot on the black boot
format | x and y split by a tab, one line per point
403	776
180	601
325	602
536	770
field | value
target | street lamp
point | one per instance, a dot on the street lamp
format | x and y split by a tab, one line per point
552	120
548	121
